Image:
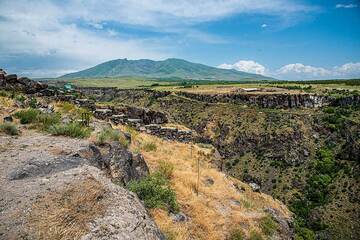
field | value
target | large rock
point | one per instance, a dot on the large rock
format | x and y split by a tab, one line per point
12	83
122	165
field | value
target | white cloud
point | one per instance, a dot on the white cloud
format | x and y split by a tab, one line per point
297	71
264	25
301	71
346	6
245	66
164	13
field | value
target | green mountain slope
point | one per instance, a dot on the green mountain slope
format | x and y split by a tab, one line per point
169	68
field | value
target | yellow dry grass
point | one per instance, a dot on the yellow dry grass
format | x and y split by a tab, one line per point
65	214
217	208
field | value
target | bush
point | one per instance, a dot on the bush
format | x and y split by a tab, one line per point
109	135
155	191
268	226
166	169
236	234
67	107
325	163
33	103
71	129
27	116
148	147
317	189
255	236
9	129
303	233
45	121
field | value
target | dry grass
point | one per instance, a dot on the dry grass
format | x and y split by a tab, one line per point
65	214
216	209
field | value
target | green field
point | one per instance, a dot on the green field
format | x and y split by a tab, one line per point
322	86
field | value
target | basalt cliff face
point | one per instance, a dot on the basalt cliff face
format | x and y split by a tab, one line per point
302	149
271	100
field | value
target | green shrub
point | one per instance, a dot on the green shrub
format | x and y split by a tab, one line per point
150	146
109	135
4	93
303	233
33	103
329	110
236	234
268	225
325	163
255	236
68	107
317	189
9	129
74	130
27	116
155	191
166	169
45	121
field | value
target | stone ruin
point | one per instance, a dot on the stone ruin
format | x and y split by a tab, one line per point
144	120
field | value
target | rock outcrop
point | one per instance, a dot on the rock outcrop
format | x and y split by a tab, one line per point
121	164
263	100
11	82
54	172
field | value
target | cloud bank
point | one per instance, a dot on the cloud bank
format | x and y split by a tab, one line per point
297	71
345	6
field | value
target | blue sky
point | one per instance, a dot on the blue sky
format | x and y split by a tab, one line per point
286	39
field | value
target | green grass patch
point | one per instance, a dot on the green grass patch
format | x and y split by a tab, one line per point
74	130
155	191
255	236
268	225
149	147
108	135
9	129
27	116
236	234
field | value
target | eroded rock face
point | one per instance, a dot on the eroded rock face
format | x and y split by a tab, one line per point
123	166
263	100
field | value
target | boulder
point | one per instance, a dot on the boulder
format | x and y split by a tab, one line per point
11	78
121	164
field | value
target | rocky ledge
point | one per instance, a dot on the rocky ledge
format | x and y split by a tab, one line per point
11	82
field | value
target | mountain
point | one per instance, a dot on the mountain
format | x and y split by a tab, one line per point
169	68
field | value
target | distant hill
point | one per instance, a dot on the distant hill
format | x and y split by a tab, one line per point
169	68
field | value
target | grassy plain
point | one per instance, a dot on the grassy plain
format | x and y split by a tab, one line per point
265	87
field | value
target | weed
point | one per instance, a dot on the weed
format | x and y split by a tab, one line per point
108	135
155	191
166	169
27	116
236	234
149	147
74	130
45	121
9	129
255	236
268	225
